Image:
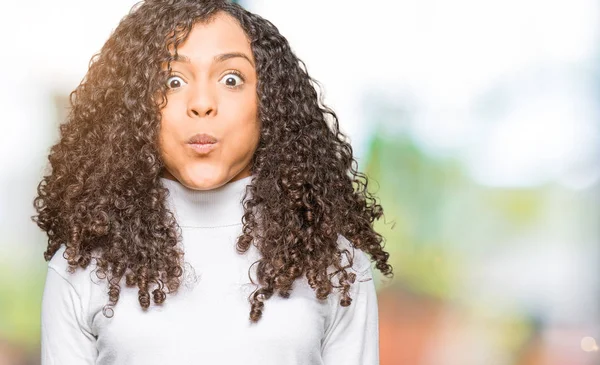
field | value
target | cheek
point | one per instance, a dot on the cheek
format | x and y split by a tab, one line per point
243	130
167	134
246	121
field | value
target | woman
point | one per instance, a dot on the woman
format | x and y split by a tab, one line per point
198	167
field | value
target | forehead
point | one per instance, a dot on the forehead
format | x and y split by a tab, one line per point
221	35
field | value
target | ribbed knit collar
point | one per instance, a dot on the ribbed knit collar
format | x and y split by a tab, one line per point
218	207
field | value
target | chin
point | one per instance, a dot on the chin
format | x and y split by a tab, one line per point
202	181
201	185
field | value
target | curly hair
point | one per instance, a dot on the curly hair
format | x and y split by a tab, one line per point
103	193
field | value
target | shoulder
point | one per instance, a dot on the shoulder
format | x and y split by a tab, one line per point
58	262
80	279
70	296
361	264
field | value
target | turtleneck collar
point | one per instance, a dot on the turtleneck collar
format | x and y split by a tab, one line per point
218	207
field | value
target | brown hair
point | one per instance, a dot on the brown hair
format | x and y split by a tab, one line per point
104	194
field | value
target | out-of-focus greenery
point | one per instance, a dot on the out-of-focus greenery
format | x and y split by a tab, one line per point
412	188
21	290
435	217
436	223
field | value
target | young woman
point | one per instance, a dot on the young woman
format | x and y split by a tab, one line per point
203	206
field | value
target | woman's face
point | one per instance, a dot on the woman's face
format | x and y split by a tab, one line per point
212	90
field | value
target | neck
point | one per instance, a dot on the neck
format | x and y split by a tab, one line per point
218	207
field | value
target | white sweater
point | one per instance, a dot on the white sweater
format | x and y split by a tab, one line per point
207	320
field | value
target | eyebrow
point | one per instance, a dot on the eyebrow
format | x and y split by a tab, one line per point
218	58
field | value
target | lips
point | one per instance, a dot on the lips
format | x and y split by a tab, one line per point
202	138
202	143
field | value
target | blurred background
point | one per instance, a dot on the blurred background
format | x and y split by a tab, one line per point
477	122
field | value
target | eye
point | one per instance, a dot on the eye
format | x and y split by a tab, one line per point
175	82
232	79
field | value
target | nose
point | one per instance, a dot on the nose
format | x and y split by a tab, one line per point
202	101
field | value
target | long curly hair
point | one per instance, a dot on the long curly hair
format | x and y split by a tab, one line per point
103	193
